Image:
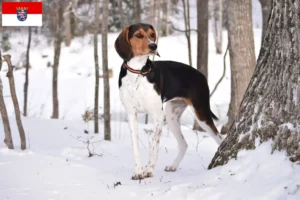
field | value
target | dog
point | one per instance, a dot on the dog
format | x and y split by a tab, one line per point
160	89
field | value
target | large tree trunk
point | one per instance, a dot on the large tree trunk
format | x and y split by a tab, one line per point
57	48
7	132
265	8
270	107
14	97
217	24
241	50
27	73
202	43
107	130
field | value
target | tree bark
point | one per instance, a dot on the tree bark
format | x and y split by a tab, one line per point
202	43
67	20
57	49
7	132
14	97
241	50
96	100
138	11
27	73
217	24
186	17
270	107
107	129
265	8
121	13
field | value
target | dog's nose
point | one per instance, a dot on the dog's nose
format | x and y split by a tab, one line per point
152	46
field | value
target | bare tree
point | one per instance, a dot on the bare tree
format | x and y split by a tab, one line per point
138	11
96	100
67	20
217	24
14	97
187	24
57	49
120	8
27	73
241	50
270	107
202	43
7	132
107	129
265	7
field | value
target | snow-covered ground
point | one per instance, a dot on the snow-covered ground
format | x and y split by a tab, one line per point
56	165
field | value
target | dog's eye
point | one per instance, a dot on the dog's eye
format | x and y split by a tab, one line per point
152	35
139	35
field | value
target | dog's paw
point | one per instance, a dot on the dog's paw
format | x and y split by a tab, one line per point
170	169
147	174
137	177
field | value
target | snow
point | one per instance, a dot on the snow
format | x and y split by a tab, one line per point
56	165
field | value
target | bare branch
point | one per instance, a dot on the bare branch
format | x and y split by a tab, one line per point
224	70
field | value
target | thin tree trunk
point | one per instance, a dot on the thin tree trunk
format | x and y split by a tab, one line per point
186	17
217	24
57	49
202	43
265	8
270	107
96	100
107	129
241	50
27	73
7	132
67	20
121	13
14	97
138	11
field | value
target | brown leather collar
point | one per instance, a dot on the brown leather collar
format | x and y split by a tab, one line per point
137	71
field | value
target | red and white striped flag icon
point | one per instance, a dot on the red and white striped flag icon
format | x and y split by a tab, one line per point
22	13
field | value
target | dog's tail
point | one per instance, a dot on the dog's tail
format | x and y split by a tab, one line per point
214	116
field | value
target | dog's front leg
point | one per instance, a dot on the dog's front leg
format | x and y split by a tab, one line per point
158	123
133	125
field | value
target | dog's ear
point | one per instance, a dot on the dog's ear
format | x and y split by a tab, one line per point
123	46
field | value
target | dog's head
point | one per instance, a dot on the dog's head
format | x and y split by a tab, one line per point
136	40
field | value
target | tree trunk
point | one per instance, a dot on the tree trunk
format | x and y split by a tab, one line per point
138	11
67	20
265	8
14	97
7	132
241	50
217	24
96	100
270	107
202	43
186	17
27	73
107	129
121	13
57	48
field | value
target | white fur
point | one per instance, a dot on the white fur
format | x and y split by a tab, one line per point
139	96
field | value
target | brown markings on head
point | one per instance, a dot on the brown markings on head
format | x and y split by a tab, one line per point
140	41
134	40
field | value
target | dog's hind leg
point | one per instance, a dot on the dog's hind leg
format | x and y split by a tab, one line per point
173	111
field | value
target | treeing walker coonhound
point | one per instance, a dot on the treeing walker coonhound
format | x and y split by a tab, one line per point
159	88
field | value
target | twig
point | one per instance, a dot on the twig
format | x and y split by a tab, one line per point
224	70
180	30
